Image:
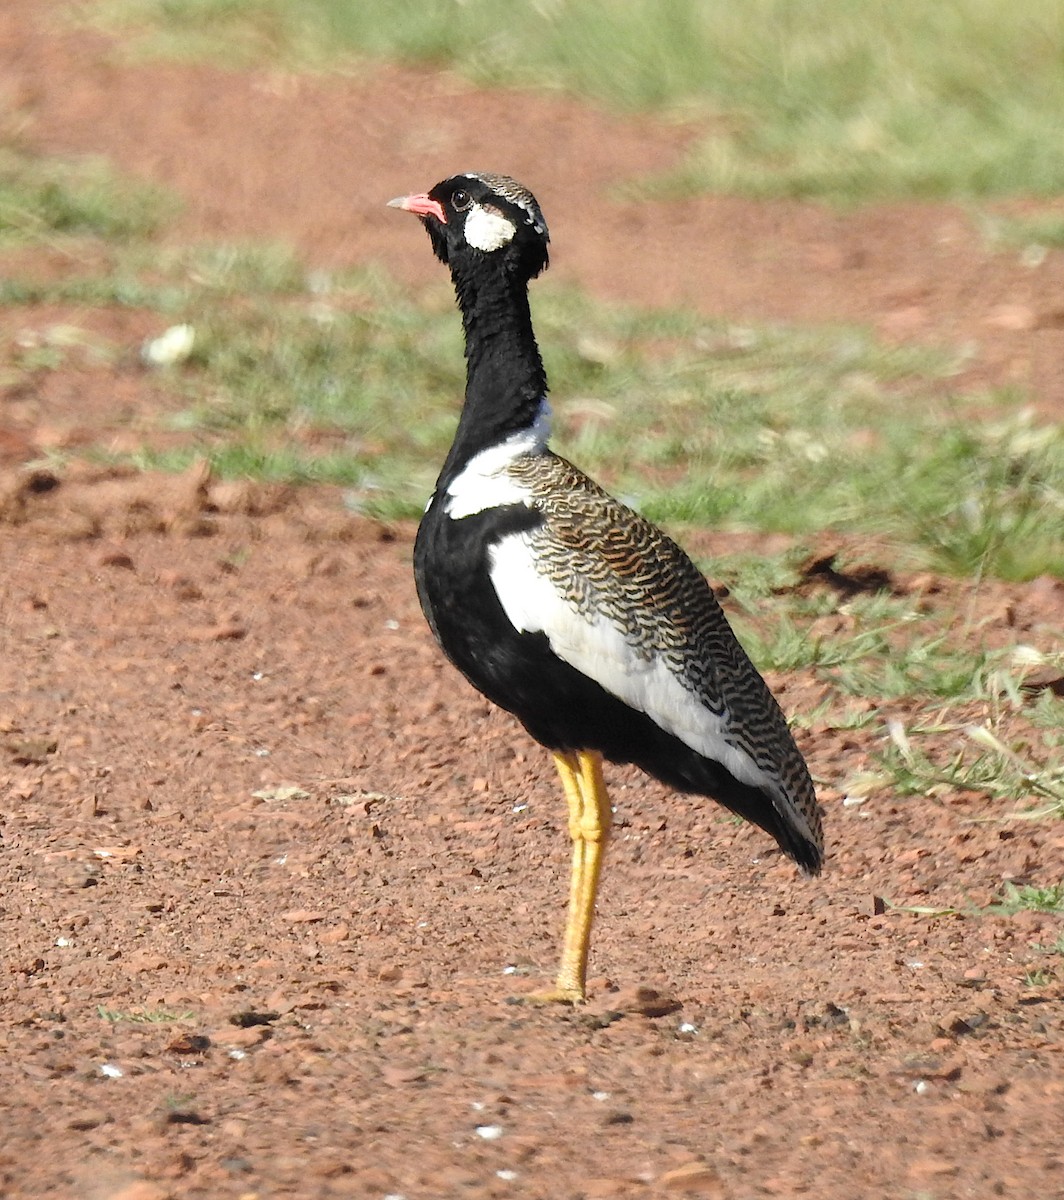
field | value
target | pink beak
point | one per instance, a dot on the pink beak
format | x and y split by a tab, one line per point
422	204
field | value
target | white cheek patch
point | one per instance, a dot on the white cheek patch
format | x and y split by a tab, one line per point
487	229
595	647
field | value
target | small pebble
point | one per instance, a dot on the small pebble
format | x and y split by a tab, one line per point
170	347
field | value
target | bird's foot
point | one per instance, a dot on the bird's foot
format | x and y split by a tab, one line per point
554	995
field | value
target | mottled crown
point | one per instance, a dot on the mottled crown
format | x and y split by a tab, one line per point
517	194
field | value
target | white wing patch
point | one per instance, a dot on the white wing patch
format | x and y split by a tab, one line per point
595	647
485	481
487	229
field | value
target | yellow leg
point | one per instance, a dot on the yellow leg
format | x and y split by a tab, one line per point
590	818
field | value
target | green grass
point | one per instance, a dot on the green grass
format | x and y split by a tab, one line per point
1014	899
1056	947
1031	899
349	379
352	380
1038	978
42	199
844	100
1014	755
983	495
1033	233
146	1016
302	376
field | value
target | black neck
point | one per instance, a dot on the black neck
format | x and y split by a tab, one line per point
505	380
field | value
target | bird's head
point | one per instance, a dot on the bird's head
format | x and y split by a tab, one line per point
477	216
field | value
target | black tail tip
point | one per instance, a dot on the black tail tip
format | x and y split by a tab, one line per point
808	855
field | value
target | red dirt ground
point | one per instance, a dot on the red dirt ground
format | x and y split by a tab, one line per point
272	872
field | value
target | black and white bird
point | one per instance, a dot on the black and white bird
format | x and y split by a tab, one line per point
565	607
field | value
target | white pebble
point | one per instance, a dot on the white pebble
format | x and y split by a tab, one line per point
600	1096
110	1071
507	1174
687	1027
174	345
921	1087
489	1133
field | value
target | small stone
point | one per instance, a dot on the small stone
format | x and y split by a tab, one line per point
29	751
644	1001
141	1189
144	960
89	1118
182	587
1016	318
933	1168
618	1117
186	1116
961	1026
189	1043
250	1018
335	935
240	1039
402	1076
224	631
606	1189
1044	679
693	1179
170	347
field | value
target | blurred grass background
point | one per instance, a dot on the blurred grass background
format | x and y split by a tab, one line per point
347	379
841	99
288	373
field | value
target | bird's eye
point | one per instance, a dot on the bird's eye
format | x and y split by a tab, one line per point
461	200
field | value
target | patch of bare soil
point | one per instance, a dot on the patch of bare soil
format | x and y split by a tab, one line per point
271	872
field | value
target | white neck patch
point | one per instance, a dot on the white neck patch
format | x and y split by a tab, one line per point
485	481
487	229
